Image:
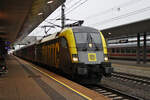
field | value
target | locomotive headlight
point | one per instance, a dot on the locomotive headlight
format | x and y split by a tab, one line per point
75	59
90	45
105	58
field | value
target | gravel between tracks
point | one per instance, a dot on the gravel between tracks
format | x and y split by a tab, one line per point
137	90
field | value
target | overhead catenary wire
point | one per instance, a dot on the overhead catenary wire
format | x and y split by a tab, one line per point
69	1
53	24
71	6
74	4
124	16
52	21
76	7
113	8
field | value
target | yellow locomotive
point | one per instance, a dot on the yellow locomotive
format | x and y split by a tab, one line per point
80	52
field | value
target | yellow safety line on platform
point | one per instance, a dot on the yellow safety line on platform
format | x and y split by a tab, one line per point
62	83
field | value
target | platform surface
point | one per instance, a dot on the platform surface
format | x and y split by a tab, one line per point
131	67
23	82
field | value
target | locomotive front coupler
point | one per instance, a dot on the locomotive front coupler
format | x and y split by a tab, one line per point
82	69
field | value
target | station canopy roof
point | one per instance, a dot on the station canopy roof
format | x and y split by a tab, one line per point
127	30
19	17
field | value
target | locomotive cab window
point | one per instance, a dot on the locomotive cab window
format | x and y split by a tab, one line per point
86	40
63	42
88	37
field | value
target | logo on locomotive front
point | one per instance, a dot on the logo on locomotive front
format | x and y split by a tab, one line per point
92	57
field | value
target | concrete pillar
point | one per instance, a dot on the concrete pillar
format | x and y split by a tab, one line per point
144	49
138	49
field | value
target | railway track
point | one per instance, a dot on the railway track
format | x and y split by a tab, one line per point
116	94
132	78
111	93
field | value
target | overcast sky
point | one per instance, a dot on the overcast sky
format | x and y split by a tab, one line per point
101	14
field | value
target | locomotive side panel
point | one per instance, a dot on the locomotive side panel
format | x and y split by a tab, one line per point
48	53
64	56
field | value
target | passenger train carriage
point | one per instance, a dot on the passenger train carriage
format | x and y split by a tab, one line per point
80	52
127	51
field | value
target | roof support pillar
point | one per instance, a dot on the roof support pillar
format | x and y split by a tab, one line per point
144	48
138	49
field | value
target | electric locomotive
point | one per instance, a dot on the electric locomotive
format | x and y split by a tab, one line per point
81	52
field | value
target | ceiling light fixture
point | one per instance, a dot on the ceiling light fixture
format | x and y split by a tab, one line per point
40	14
49	2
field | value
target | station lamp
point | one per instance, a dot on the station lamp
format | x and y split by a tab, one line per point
49	2
40	14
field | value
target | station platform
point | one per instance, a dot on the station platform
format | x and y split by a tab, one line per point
131	67
25	81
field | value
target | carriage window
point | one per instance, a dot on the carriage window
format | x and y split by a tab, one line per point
148	50
117	50
134	51
141	51
64	42
127	50
113	50
122	50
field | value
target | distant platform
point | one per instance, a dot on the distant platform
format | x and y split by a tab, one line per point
131	67
25	81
